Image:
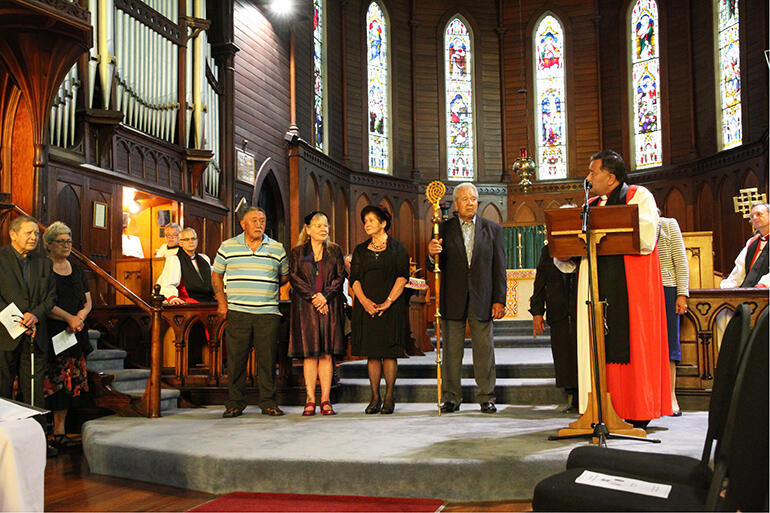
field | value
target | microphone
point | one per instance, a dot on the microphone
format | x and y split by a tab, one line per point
587	185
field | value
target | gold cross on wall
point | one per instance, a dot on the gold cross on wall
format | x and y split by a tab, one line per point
747	197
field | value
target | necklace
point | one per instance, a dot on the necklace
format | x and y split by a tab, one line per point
378	247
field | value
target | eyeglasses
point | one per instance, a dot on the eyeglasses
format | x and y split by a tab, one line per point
188	239
64	242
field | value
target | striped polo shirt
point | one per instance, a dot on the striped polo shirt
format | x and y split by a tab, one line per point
252	278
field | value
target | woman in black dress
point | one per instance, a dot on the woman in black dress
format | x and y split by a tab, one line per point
379	271
66	377
316	274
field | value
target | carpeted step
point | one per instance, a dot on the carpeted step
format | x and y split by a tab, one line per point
130	379
168	397
530	391
464	456
103	360
427	370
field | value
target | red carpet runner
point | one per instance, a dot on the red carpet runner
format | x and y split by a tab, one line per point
290	502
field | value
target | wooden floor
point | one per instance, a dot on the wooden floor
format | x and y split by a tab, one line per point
69	486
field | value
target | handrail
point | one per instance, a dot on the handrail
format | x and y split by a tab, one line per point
130	295
150	401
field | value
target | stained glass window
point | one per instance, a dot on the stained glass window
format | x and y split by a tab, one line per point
319	78
645	84
378	75
458	73
550	100
729	74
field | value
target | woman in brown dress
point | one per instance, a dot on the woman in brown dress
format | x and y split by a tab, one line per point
316	274
379	271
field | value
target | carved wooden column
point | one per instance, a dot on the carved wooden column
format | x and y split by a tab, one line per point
38	60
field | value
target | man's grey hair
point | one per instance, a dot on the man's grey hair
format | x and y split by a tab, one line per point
189	229
464	185
173	225
57	228
760	204
15	225
252	209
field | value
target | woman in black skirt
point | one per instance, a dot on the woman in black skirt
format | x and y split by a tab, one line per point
66	376
379	271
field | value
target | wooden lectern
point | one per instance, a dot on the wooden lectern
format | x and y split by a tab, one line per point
614	230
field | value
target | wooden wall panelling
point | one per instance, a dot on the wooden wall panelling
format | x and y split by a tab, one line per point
303	40
401	87
676	53
342	220
614	97
355	50
428	111
261	103
69	210
754	73
705	90
22	154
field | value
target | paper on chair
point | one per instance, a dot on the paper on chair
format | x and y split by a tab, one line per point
63	340
10	317
624	484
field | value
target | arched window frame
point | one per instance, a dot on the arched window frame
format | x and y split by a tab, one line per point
449	153
384	166
653	66
320	111
727	33
540	148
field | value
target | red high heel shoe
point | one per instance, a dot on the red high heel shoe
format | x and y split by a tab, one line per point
326	408
309	409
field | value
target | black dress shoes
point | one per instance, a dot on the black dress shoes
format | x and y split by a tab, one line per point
388	407
374	407
488	407
449	407
273	411
232	412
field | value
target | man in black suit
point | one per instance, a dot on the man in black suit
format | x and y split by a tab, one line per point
555	294
26	280
473	287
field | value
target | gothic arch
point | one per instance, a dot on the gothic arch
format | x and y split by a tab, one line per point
492	213
525	215
675	206
405	225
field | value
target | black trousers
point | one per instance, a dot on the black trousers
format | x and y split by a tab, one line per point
244	330
16	362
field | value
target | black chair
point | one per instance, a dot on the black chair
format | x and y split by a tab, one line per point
673	467
740	477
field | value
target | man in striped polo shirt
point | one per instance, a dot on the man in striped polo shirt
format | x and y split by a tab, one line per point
254	266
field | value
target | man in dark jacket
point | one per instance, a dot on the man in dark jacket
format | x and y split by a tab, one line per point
27	281
555	294
473	288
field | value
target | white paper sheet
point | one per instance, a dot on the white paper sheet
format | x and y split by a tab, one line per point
10	317
11	410
63	340
624	484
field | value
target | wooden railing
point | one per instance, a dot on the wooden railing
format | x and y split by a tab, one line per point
149	404
698	330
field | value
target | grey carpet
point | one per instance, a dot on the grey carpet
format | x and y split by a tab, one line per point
465	456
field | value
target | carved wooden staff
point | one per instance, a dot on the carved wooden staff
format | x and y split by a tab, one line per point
434	192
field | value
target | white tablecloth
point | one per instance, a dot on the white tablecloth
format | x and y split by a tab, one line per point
22	465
